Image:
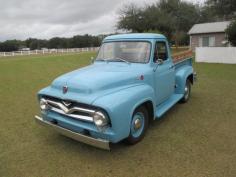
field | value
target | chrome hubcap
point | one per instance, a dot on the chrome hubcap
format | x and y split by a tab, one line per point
137	124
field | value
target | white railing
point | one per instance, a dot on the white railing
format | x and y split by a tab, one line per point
216	55
48	51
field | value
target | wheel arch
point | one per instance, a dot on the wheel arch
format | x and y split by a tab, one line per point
186	72
190	78
149	105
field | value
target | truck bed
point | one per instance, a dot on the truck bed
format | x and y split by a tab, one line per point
182	59
179	57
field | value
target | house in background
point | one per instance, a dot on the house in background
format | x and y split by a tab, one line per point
208	35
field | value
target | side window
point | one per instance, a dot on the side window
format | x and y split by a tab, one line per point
161	51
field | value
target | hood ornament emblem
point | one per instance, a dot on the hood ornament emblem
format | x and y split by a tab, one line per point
64	89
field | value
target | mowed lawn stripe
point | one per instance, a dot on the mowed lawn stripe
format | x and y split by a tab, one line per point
194	139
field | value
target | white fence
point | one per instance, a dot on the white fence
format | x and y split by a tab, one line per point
47	51
216	55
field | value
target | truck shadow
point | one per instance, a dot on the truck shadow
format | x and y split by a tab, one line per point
155	128
121	146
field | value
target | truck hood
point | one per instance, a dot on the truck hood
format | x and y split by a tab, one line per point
96	80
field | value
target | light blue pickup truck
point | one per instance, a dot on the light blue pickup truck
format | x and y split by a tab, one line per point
132	81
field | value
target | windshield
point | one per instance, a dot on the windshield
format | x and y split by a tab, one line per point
129	51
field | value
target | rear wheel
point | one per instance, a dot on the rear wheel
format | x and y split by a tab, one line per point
187	91
138	125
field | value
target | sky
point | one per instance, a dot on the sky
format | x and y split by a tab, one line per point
45	19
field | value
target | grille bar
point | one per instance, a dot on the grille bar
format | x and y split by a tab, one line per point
71	112
86	118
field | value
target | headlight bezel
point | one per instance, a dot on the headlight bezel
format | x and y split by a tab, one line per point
43	105
100	119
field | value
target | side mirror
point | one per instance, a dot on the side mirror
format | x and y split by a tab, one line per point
160	61
92	59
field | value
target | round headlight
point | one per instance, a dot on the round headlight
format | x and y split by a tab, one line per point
100	119
43	104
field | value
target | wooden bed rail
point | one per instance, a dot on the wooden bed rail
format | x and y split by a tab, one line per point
182	55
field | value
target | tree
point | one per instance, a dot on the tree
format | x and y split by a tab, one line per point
222	9
182	15
131	18
56	42
10	45
173	18
231	33
33	43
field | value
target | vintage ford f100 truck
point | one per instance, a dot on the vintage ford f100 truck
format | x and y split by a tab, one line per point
133	80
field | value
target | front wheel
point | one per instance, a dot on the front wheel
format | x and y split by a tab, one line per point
187	91
138	125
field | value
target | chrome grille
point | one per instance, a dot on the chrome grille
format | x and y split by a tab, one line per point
70	109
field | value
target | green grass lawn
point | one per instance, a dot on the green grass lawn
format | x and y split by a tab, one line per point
197	139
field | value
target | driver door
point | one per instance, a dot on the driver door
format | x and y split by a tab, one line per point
164	75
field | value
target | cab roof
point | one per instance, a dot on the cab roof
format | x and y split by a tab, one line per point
136	36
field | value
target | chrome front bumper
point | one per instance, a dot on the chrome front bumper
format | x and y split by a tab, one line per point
100	143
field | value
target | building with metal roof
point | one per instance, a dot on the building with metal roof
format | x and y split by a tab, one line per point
208	35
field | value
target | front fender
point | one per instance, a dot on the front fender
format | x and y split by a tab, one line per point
121	105
181	76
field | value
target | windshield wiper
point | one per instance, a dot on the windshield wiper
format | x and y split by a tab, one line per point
112	59
102	59
121	59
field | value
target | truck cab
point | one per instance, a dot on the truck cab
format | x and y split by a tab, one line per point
133	80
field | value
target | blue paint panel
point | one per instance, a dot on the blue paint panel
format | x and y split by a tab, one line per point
94	81
121	105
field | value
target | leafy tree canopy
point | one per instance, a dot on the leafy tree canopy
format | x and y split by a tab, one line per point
231	33
171	17
78	41
221	9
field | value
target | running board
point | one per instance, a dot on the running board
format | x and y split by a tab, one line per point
164	107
